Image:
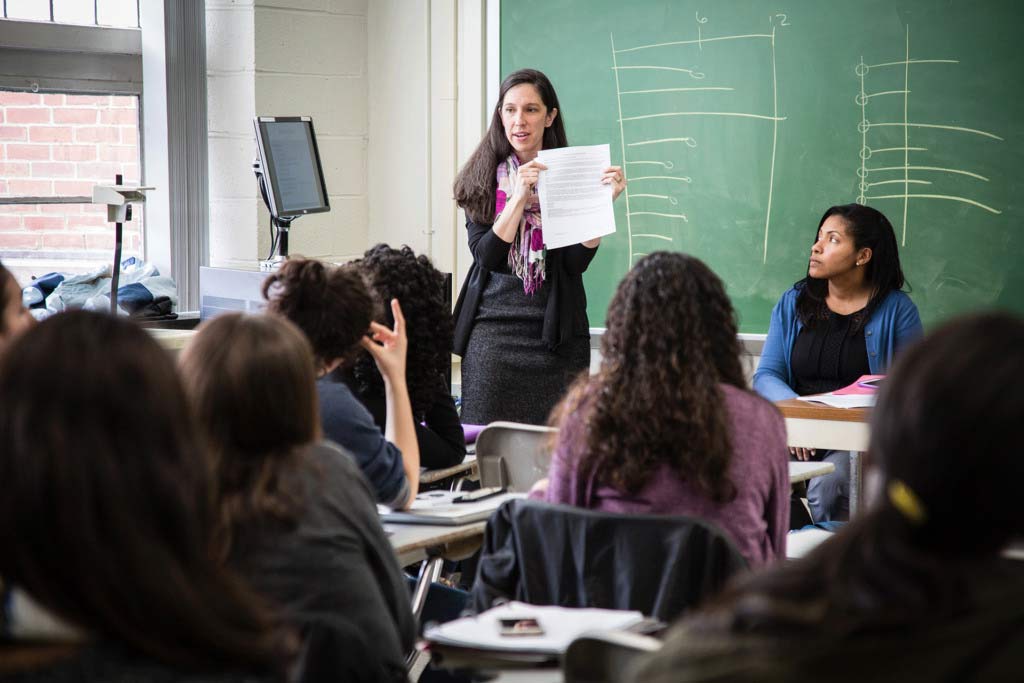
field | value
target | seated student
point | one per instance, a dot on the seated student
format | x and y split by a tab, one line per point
846	318
105	518
14	317
296	516
334	309
667	426
914	589
413	280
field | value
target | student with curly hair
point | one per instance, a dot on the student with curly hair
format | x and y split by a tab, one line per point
296	516
846	318
915	588
14	317
106	519
335	310
667	425
413	280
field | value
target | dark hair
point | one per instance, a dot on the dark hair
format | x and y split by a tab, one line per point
106	511
419	287
869	228
945	426
671	340
5	278
331	305
252	383
475	184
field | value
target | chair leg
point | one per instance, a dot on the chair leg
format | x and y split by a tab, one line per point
430	571
856	480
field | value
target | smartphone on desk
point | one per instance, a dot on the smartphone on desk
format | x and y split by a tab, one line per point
520	626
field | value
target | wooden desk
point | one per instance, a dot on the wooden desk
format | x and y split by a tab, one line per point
815	425
468	468
172	340
416	542
804	470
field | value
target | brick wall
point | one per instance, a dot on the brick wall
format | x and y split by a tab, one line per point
53	145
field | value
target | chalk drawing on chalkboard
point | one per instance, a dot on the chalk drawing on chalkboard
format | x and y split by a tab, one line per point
642	71
865	178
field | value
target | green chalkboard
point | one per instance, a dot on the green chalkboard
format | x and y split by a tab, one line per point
741	122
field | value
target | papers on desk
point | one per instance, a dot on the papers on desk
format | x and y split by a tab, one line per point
561	625
841	400
575	205
437	507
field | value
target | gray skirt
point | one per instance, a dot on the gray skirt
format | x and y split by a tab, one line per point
508	372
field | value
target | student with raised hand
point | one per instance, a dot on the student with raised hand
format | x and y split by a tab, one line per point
14	317
915	588
413	280
106	518
846	318
335	310
667	425
296	516
521	318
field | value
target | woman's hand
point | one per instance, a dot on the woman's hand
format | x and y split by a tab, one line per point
802	453
388	347
614	176
526	180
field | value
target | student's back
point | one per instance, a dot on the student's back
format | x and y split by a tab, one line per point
666	426
297	518
105	518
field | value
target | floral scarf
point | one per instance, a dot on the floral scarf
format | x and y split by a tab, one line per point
526	256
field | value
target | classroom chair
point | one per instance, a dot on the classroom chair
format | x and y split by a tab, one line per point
548	554
604	656
513	456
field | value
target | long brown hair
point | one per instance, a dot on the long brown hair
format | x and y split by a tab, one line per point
475	185
106	510
671	341
252	382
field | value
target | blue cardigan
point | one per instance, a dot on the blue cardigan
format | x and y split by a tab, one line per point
893	324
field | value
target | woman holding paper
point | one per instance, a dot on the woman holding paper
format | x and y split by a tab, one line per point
521	319
846	318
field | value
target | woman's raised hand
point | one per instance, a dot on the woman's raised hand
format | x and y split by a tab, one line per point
526	179
388	346
614	176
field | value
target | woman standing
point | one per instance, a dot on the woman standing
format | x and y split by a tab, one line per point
846	318
521	319
688	438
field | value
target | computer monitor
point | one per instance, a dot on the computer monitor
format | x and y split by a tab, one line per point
290	161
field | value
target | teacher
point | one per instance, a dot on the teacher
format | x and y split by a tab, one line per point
521	318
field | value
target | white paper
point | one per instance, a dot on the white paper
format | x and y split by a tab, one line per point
561	625
574	205
842	400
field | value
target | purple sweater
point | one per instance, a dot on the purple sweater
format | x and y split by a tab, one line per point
757	520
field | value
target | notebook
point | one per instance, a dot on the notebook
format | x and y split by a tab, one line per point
438	507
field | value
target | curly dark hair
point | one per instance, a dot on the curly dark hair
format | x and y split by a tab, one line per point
419	287
671	341
331	305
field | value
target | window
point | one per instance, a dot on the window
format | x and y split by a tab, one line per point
58	145
69	119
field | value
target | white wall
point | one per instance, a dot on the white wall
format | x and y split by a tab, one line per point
282	58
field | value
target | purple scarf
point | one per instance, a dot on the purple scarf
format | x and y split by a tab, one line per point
526	255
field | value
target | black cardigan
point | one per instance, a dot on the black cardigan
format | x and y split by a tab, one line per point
566	313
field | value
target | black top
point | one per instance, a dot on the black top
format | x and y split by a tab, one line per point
441	439
566	313
829	354
334	574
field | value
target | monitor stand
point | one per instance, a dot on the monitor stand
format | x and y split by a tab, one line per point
280	252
